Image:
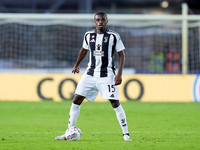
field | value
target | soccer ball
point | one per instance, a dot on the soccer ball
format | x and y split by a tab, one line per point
73	134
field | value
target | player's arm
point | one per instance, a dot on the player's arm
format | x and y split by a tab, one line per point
81	56
118	77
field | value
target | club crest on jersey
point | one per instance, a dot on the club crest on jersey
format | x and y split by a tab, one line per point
105	39
93	36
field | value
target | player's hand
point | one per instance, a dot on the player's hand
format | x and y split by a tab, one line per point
76	70
118	79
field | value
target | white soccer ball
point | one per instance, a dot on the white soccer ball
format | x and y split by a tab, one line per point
73	134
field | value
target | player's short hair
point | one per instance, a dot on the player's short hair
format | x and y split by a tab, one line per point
101	13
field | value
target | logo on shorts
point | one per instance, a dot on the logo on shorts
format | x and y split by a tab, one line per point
112	95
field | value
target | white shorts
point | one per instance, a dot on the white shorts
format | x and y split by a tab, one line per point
89	87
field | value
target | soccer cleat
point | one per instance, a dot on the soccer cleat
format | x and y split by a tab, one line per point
127	137
62	137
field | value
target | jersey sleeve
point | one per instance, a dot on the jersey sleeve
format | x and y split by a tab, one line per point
85	41
119	44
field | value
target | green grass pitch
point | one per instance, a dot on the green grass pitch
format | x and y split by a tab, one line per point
154	126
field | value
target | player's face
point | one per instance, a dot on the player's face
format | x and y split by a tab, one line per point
101	22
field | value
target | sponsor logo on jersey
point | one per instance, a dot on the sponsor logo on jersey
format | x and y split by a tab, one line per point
98	53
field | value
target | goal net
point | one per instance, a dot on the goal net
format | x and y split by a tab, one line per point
51	43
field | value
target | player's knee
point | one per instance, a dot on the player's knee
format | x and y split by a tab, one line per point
115	103
78	99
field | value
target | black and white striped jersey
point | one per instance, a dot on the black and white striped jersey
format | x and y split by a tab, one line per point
102	48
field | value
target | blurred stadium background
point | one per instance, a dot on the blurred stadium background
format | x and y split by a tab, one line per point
161	37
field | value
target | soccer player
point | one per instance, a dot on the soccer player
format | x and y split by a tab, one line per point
100	75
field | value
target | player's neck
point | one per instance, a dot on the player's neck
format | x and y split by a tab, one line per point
101	31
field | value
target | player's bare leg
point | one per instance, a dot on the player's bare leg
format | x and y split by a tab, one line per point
73	114
121	116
